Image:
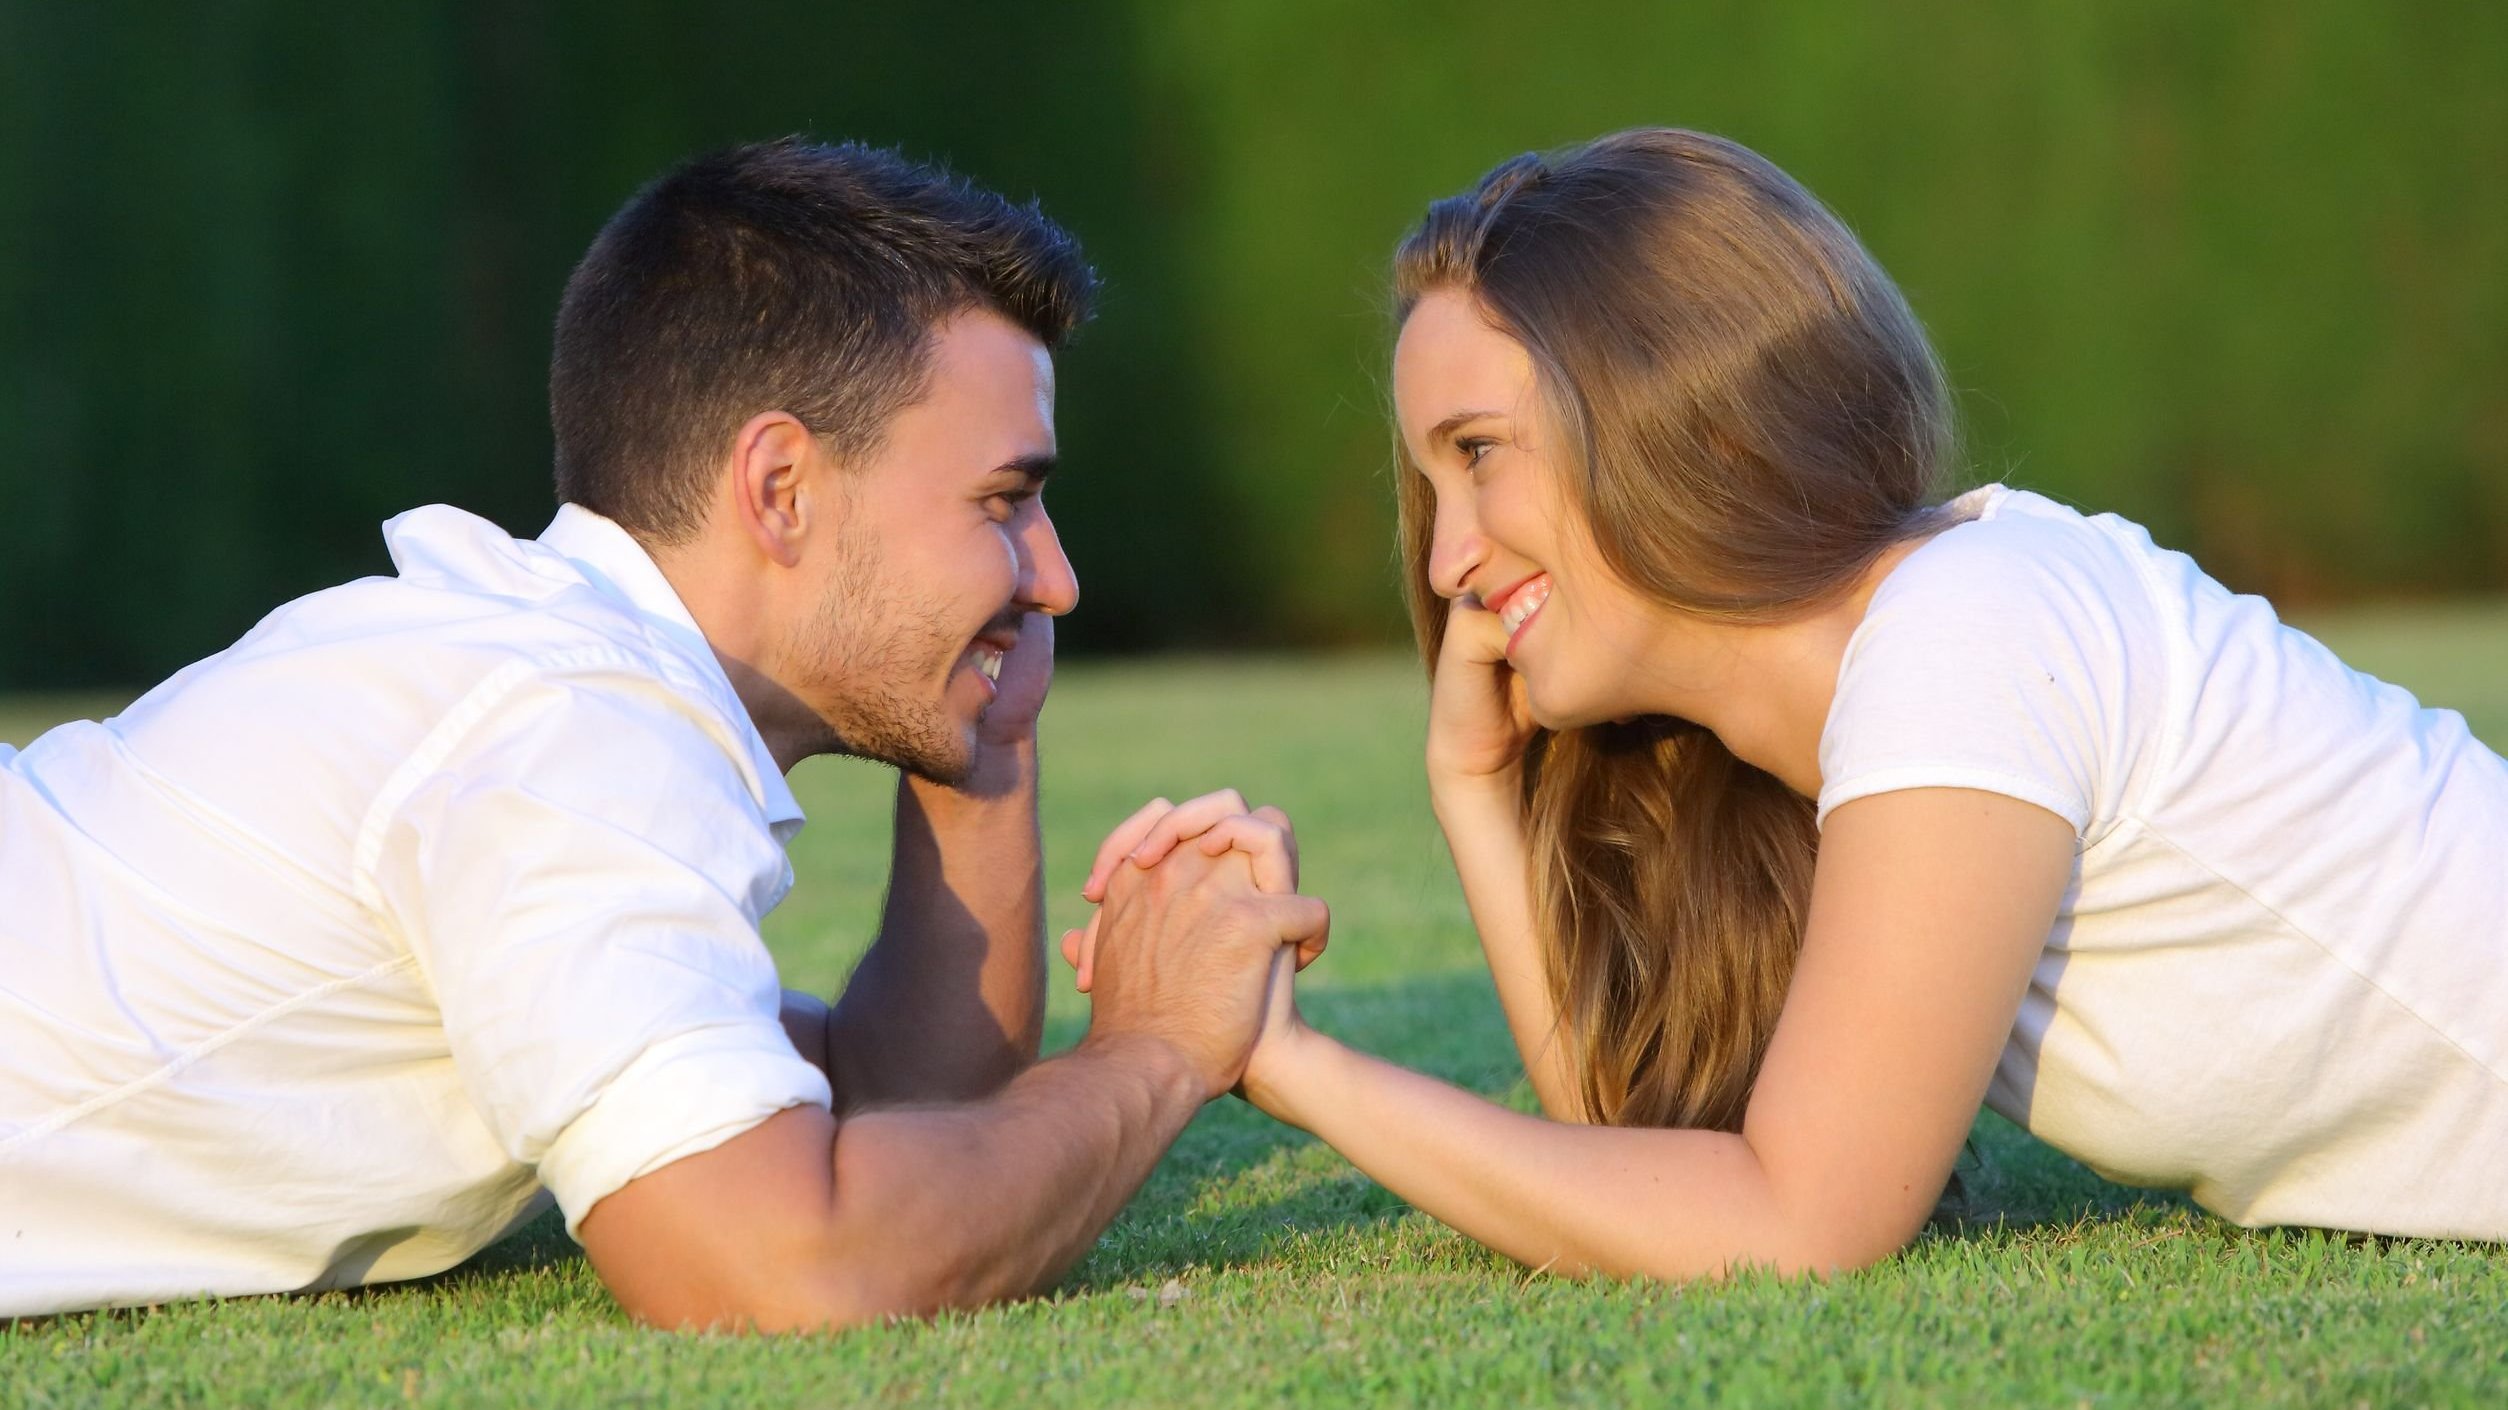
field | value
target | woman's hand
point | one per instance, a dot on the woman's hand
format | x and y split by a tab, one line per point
1216	823
1271	1072
1478	719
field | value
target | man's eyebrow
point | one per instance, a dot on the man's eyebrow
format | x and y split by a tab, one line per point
1031	468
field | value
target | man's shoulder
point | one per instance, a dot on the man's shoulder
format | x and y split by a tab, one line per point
469	601
472	613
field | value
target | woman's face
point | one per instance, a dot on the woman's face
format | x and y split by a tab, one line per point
1506	538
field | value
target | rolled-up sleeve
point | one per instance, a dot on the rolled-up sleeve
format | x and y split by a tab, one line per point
580	874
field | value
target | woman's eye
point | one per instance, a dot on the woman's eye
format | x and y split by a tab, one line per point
1473	450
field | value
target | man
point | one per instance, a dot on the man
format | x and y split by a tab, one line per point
338	954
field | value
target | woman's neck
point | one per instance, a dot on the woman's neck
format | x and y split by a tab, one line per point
1765	689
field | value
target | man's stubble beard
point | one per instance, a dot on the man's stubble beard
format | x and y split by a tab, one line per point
880	653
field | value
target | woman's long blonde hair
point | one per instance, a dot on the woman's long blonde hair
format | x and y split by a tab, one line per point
1750	417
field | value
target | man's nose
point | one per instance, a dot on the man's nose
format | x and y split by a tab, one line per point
1048	584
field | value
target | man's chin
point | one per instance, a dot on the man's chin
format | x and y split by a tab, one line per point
949	772
938	750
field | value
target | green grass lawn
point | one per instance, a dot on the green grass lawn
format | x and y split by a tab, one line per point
1258	1267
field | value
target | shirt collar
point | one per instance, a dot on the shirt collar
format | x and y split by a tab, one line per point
615	564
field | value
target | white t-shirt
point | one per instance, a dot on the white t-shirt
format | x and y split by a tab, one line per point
2279	979
319	962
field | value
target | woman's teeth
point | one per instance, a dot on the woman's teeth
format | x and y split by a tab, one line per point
1525	602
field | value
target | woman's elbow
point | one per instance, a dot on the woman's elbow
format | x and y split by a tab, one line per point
1807	1251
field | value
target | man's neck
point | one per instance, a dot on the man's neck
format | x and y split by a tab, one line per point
741	627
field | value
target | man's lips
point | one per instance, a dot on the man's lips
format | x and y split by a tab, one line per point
988	650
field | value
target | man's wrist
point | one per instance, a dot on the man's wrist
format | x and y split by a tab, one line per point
1004	772
1169	1072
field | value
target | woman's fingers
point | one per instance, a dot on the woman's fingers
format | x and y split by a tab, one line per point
1150	834
1119	843
1266	842
1082	950
1288	834
1188	819
1474	635
1219	822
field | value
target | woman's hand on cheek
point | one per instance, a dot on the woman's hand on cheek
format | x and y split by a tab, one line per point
1479	721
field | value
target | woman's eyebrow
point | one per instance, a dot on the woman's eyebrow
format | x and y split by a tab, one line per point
1439	431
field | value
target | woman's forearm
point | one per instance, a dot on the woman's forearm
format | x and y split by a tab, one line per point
1570	1199
1484	831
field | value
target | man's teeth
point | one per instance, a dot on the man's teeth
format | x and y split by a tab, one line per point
1525	603
988	661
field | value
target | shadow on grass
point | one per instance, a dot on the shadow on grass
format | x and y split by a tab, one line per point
2008	1181
1239	1188
539	1247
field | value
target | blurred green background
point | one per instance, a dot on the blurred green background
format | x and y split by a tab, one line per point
274	270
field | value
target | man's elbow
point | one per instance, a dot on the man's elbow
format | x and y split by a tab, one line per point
815	1300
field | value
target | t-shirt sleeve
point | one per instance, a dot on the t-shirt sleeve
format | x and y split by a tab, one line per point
581	876
2002	657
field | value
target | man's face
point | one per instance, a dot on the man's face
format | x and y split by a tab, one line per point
944	547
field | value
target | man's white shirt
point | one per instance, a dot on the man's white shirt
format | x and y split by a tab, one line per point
333	957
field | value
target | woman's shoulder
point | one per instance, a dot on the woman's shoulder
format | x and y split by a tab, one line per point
2017	651
2019	534
2012	558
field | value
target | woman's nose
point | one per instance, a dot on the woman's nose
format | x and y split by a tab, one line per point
1456	550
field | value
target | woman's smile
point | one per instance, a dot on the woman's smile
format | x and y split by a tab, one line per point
1519	605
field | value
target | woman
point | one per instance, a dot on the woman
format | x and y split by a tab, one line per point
1799	808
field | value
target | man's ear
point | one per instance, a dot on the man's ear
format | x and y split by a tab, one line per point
777	484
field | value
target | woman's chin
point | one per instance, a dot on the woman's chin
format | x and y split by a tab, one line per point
1551	714
1554	713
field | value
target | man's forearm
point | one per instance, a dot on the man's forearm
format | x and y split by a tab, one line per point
802	1222
949	1002
995	1199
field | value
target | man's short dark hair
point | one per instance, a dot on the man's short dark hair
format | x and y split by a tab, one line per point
778	276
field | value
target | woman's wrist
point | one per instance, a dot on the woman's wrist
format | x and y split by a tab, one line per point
1283	1079
1460	792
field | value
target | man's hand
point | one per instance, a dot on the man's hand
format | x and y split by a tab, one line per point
950	1002
1184	956
1005	738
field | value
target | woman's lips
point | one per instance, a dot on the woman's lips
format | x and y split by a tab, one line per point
1520	605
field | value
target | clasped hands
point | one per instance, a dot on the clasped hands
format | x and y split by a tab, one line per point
1197	936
